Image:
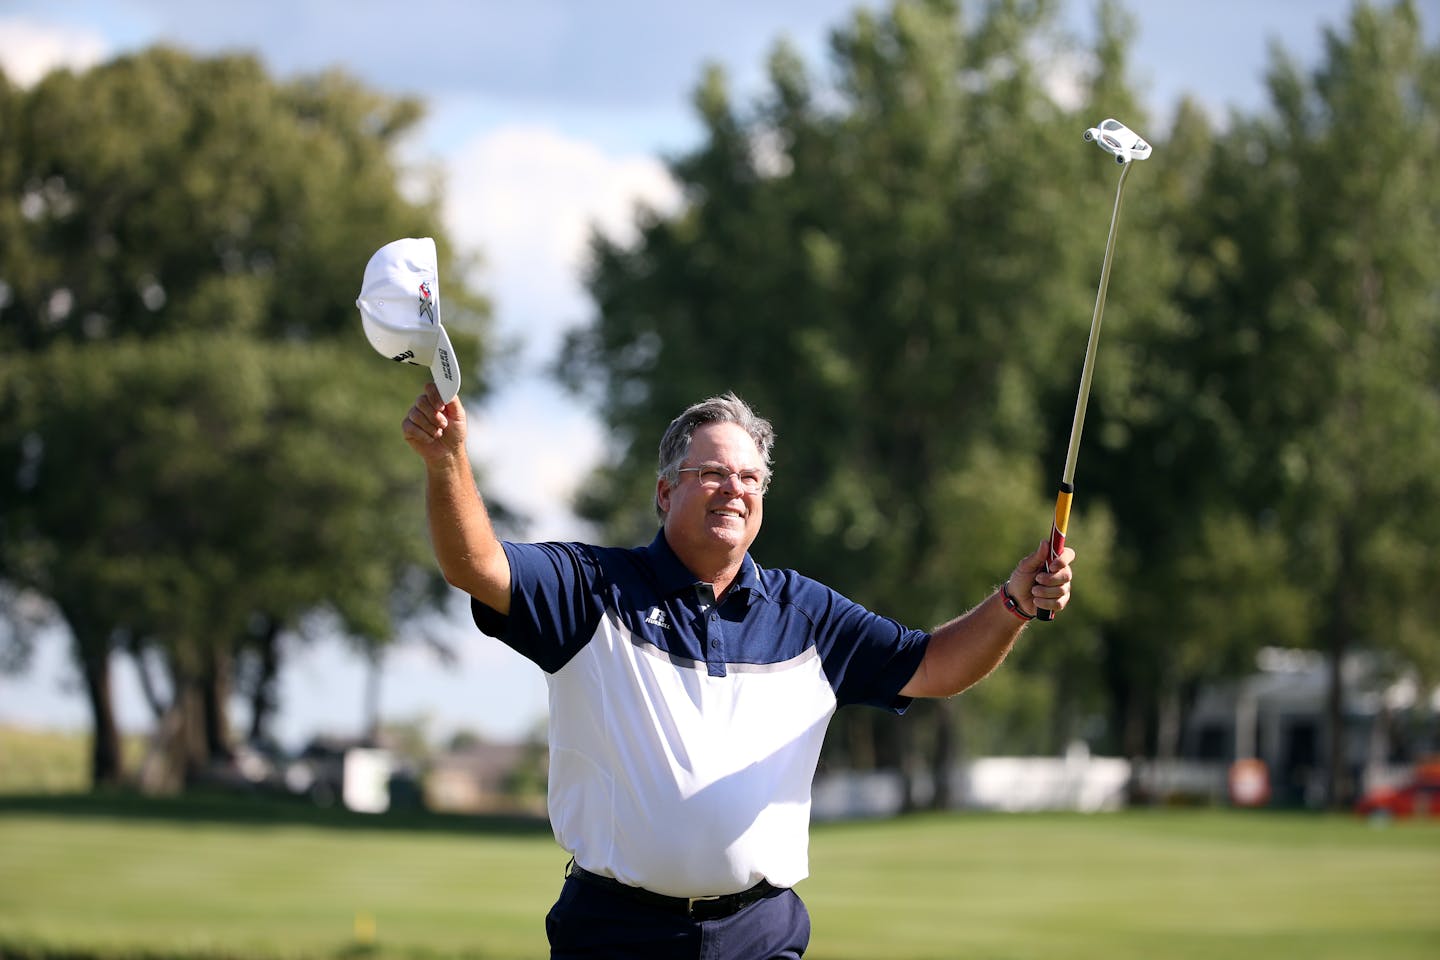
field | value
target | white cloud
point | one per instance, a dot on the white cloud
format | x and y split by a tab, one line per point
536	445
29	50
527	197
1065	77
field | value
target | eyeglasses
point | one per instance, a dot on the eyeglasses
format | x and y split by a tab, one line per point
713	476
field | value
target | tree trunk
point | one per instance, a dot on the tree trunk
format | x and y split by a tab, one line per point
263	698
1167	729
162	771
147	682
942	761
861	740
105	760
1125	687
190	747
180	748
1340	634
214	692
1133	740
1335	776
373	661
1062	724
1130	714
897	750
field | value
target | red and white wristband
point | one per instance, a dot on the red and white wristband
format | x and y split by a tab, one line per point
1012	604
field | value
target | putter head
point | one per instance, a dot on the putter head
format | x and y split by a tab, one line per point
1119	141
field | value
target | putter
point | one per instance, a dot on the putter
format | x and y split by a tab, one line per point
1118	140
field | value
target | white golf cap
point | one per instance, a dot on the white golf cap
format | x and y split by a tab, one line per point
400	309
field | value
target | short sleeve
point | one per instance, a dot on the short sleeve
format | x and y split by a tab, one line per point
554	602
868	658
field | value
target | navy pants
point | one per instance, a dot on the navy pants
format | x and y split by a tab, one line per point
598	924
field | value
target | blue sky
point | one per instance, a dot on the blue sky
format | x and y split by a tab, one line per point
547	116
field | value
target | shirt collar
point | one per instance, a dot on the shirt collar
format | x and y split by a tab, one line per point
748	579
675	576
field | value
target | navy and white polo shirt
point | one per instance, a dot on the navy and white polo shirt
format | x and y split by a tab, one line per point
684	734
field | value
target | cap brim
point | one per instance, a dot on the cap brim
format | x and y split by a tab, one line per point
445	368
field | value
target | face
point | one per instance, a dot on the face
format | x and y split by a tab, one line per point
704	524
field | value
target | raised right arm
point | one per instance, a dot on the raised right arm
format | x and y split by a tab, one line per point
469	553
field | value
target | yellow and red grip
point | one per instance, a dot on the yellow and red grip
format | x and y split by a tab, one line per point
1057	535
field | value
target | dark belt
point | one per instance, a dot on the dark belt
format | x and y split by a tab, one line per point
696	908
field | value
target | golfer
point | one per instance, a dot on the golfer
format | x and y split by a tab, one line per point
690	688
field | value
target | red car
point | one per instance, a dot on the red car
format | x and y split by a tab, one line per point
1418	798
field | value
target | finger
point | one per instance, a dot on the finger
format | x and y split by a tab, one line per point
432	393
428	401
1058	570
436	408
1051	598
1055	592
412	428
429	425
1060	575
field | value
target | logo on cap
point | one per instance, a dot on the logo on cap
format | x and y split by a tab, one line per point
427	306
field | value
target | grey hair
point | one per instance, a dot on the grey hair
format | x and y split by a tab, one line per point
675	444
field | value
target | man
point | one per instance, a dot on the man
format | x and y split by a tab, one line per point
690	689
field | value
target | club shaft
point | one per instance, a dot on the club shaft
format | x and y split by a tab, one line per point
1087	373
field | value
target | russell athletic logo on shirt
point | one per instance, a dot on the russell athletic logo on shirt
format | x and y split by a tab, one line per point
657	617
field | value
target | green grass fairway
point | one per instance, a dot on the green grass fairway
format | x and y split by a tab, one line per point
1146	884
85	878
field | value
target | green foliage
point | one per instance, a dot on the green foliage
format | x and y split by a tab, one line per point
1312	371
161	192
862	265
210	478
199	448
892	269
898	267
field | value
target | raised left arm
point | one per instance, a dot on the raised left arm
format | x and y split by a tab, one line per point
965	650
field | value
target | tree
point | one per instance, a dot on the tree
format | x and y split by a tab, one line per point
1338	335
887	269
202	447
1166	453
161	192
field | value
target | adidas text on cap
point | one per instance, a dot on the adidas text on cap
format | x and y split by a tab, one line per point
400	309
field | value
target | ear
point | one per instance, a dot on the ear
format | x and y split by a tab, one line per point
662	494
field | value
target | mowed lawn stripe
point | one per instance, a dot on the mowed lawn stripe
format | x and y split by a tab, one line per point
256	889
1142	884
